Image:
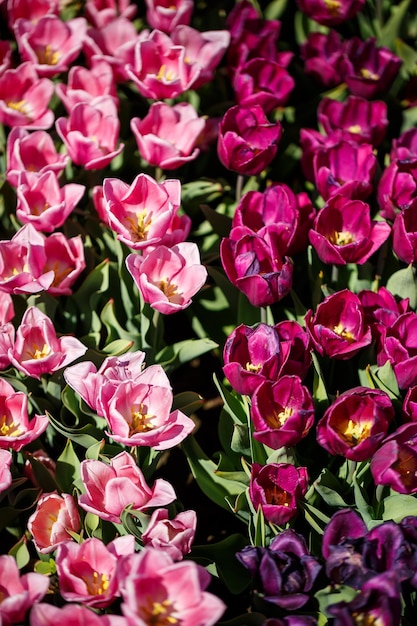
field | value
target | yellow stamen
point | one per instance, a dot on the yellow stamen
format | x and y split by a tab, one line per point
9	429
354	432
333	6
368	74
38	353
341	238
140	226
158	613
355	128
165	74
276	420
21	106
342	332
48	56
167	288
276	495
97	584
141	421
250	367
367	619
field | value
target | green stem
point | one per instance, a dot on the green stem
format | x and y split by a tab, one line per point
239	187
263	315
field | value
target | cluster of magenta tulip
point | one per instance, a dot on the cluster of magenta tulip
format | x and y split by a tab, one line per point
185	184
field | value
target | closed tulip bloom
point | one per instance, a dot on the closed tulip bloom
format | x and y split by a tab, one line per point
404	150
84	84
110	488
276	489
65	257
331	12
262	82
53	520
167	15
355	424
398	346
173	536
356	118
338	329
102	12
395	463
247	140
322	54
167	135
396	190
168	278
19	592
5	473
404	234
282	412
343	232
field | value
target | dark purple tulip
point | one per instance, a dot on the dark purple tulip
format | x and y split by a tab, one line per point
284	572
343	232
276	488
395	463
338	328
262	82
398	345
322	54
368	70
345	167
330	12
356	423
282	412
277	208
247	140
404	234
409	527
344	524
356	119
255	266
291	620
396	190
378	602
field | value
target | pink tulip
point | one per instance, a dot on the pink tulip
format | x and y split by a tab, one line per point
103	12
53	520
18	593
32	152
37	349
65	257
172	536
168	135
87	381
5	473
166	16
84	85
22	263
168	277
50	44
87	571
7	330
154	586
43	203
71	614
145	212
30	10
139	412
5	56
91	133
24	98
110	488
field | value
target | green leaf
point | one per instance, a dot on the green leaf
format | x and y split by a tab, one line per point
241	440
398	506
118	347
387	380
188	402
204	471
68	468
403	284
21	553
319	388
114	330
47	568
315	517
85	436
333	594
362	504
220	223
392	27
236	406
329	489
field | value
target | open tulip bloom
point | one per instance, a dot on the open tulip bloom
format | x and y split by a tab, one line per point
208	313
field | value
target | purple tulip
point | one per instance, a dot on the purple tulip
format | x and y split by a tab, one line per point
345	167
276	488
322	54
247	140
255	266
262	82
404	150
282	412
338	327
344	232
356	423
404	234
398	345
395	463
377	603
344	524
396	190
284	573
331	12
356	119
409	413
368	70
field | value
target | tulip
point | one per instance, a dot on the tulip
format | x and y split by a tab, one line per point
87	572
5	473
43	614
65	257
344	524
276	488
5	56
139	413
30	10
322	54
168	277
264	83
343	232
404	234
282	412
356	119
396	191
404	150
16	429
255	266
395	463
24	98
43	203
338	329
355	424
55	517
113	43
331	12
32	152
91	133
84	85
19	592
166	16
38	350
247	141
168	135
50	44
110	488
381	307
409	413
154	585
285	572
397	345
175	536
100	13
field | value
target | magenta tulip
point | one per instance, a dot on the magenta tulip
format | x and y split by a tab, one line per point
173	536
356	119
331	12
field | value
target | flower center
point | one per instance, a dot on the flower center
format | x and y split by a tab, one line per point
406	466
21	106
333	6
276	495
158	613
96	583
250	367
9	429
48	56
355	432
165	74
168	289
366	619
139	227
141	421
368	74
355	128
278	419
341	238
340	330
38	353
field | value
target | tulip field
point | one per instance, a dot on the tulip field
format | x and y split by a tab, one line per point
208	313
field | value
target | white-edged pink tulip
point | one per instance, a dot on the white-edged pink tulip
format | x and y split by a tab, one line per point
51	523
